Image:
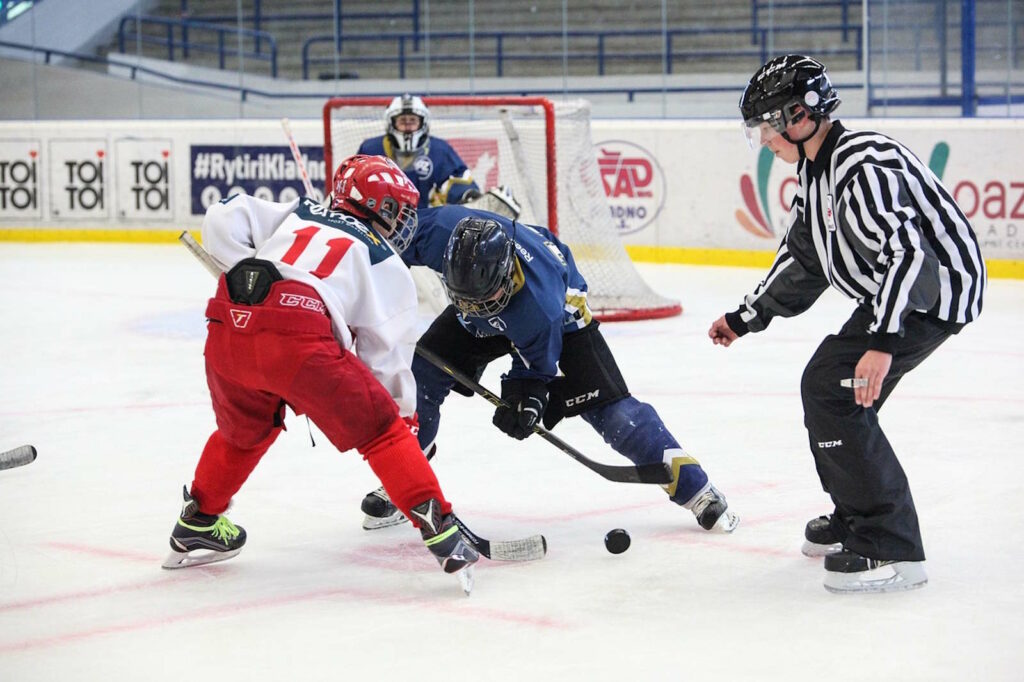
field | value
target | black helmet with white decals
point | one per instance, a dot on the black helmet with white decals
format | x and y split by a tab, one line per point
478	267
786	89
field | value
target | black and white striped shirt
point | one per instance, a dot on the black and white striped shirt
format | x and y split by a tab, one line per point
870	219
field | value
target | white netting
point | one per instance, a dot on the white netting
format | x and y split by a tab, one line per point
506	141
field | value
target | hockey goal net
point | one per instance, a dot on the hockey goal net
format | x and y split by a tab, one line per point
541	149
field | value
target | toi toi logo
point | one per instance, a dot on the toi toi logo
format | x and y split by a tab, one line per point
633	183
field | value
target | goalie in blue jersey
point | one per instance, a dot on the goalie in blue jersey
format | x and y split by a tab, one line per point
516	292
437	170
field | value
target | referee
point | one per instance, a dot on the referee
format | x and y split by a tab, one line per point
874	222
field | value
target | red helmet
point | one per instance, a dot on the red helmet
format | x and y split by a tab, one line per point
375	187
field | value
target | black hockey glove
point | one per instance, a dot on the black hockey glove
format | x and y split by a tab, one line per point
527	400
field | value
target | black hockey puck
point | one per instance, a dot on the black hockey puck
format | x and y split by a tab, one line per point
616	541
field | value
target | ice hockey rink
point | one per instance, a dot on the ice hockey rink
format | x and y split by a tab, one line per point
103	373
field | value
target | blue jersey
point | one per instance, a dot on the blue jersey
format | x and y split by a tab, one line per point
435	165
550	295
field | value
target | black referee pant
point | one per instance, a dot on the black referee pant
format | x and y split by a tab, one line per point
874	515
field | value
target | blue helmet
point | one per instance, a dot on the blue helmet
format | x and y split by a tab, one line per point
478	267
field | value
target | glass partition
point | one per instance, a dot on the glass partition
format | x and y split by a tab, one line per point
647	58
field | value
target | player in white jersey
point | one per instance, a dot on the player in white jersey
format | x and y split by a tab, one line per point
870	219
302	282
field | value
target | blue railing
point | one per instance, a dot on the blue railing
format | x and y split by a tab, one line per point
756	5
495	47
258	18
179	35
246	93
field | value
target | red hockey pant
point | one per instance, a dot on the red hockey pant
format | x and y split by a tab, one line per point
260	357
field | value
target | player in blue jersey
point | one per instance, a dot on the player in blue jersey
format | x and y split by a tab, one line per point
437	170
516	291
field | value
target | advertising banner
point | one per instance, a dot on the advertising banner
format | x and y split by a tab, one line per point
690	184
78	179
218	171
143	178
20	180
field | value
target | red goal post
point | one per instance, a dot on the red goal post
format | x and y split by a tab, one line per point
544	152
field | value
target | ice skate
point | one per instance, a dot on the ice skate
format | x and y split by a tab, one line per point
819	540
847	572
380	511
199	538
712	511
445	541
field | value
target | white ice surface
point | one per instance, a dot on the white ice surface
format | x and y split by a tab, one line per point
103	372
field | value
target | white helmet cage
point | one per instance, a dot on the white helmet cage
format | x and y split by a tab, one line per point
408	143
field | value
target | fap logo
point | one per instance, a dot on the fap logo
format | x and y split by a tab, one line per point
19	179
481	157
78	178
633	183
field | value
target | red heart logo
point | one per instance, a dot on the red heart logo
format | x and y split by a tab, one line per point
165	153
99	153
33	153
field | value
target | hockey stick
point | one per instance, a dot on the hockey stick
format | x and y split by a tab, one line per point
520	165
526	549
658	472
297	157
18	457
200	253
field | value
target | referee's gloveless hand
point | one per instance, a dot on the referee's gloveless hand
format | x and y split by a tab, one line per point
723	335
873	366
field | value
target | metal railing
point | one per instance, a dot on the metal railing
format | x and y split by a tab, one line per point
178	35
757	5
259	19
600	53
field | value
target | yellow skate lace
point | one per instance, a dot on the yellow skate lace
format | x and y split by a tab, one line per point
222	529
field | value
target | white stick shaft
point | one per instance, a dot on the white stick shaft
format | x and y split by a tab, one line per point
297	156
17	457
199	252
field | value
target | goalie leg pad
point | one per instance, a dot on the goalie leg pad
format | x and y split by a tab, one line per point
591	376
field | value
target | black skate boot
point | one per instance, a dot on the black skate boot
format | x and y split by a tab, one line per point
445	541
712	511
212	538
380	511
819	540
848	572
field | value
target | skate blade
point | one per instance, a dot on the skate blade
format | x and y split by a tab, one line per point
466	579
187	559
726	523
815	550
377	522
907	575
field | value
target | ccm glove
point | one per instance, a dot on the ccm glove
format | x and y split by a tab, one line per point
526	401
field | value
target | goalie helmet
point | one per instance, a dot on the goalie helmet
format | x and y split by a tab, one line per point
374	187
783	90
478	265
407	142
